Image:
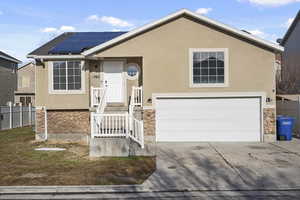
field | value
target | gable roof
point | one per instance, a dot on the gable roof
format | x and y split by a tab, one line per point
81	44
44	49
74	43
81	41
25	65
8	57
291	29
217	24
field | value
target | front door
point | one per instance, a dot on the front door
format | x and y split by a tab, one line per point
113	79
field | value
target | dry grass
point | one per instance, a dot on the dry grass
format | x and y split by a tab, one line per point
20	164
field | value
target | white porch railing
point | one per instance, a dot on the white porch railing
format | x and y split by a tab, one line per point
96	94
98	98
136	99
137	96
137	131
109	125
117	125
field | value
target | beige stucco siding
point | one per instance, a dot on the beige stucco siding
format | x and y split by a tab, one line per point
59	101
165	52
26	79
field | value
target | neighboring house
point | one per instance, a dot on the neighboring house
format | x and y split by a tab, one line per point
25	92
290	71
8	77
186	78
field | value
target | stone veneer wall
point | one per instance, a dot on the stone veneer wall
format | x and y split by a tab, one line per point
270	121
68	122
149	122
40	121
63	125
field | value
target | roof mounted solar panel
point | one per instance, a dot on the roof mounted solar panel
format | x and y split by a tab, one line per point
80	41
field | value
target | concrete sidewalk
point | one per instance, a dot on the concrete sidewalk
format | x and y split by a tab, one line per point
215	195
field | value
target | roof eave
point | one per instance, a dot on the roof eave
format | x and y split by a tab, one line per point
10	59
290	29
134	32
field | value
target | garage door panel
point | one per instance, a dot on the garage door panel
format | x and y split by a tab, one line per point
229	119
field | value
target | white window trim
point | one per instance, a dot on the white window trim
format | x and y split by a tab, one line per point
50	80
226	67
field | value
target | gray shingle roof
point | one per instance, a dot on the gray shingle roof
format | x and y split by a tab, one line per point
3	55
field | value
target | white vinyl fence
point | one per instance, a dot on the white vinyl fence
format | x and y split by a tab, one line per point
16	116
290	108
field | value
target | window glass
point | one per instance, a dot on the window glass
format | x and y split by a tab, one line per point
28	101
74	75
67	75
132	70
208	67
22	100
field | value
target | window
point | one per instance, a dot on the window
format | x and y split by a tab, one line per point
22	100
13	68
28	101
208	67
132	70
67	75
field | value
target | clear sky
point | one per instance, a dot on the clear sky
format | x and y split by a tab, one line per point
27	24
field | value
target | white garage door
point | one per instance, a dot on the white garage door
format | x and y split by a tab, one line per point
208	119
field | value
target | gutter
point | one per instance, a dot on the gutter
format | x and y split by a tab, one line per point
56	56
10	59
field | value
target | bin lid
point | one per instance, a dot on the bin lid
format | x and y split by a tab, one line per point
285	118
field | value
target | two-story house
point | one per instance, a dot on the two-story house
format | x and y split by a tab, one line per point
290	71
25	92
8	77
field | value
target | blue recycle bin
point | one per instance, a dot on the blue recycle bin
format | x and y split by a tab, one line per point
285	128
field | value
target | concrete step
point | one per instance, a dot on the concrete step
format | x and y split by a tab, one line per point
119	147
115	105
115	109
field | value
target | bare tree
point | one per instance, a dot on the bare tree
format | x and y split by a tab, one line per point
286	82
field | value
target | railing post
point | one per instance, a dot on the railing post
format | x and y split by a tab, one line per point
92	96
21	114
29	114
127	125
141	96
92	125
142	134
10	115
133	96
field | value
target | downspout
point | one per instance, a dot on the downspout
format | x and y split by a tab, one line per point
45	123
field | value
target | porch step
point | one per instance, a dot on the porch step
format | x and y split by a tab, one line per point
115	105
115	109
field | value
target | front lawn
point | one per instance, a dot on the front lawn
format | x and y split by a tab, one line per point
20	164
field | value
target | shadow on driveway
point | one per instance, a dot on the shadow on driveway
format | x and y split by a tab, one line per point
226	166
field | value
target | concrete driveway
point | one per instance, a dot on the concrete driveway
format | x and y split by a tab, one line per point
226	166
